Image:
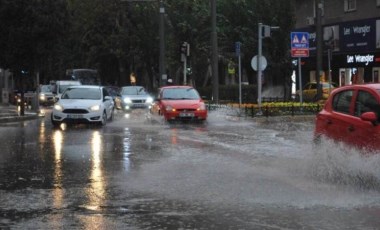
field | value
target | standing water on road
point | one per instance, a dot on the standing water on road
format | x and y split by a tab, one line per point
229	173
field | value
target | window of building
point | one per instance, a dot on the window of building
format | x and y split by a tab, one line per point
350	5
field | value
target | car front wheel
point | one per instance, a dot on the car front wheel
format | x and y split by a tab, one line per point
55	123
104	119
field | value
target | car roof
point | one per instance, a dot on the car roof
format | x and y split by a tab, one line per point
87	86
375	86
176	87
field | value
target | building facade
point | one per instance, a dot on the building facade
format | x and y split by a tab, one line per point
351	39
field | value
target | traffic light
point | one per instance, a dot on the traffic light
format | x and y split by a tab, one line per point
185	49
189	71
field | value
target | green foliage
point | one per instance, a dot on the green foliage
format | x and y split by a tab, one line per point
31	33
115	36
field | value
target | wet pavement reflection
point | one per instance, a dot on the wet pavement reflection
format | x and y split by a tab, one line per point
139	172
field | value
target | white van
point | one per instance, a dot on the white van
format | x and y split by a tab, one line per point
61	86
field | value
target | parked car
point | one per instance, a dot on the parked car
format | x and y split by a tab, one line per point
352	115
133	97
309	91
46	95
83	104
179	103
114	92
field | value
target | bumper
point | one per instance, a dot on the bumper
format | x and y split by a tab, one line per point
130	106
91	117
47	100
186	116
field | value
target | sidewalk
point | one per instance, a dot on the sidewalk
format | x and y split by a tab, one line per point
9	113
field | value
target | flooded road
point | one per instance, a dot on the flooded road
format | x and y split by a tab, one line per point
138	173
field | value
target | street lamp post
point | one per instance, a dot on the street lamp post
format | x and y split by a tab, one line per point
263	32
214	58
162	69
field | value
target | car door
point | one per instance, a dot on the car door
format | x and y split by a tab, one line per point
108	104
306	92
310	91
337	122
365	133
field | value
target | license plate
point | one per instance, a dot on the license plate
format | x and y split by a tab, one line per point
74	116
186	114
138	105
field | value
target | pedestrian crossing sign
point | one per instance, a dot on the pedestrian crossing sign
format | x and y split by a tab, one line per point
299	44
299	39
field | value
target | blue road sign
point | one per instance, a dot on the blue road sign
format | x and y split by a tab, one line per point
299	40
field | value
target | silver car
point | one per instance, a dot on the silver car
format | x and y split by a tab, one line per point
46	96
135	97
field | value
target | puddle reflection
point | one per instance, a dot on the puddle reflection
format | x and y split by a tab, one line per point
127	148
58	190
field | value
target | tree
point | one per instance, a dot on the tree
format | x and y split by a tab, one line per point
33	31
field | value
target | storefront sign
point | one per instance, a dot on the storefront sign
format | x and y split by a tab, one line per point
366	59
358	36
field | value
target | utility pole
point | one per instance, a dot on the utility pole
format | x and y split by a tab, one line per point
319	37
214	58
162	69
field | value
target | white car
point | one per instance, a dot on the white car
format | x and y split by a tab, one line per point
83	104
133	97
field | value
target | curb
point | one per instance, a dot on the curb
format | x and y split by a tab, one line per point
20	118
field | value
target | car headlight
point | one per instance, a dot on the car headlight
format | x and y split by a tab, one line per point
149	100
95	108
58	107
170	108
127	100
42	97
202	107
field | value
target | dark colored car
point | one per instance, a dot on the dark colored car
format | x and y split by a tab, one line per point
179	103
114	92
46	95
352	115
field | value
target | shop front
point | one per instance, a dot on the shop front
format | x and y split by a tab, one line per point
358	68
355	53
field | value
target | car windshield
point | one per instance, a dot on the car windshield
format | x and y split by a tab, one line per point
62	88
133	91
180	94
82	93
45	89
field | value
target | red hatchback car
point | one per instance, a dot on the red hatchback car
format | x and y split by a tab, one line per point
179	103
351	115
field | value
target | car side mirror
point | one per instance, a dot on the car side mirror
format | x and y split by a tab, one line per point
106	98
369	116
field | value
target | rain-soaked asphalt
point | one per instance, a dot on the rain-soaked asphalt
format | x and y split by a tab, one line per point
229	173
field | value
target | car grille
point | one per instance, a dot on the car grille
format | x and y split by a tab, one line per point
76	111
138	101
186	110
